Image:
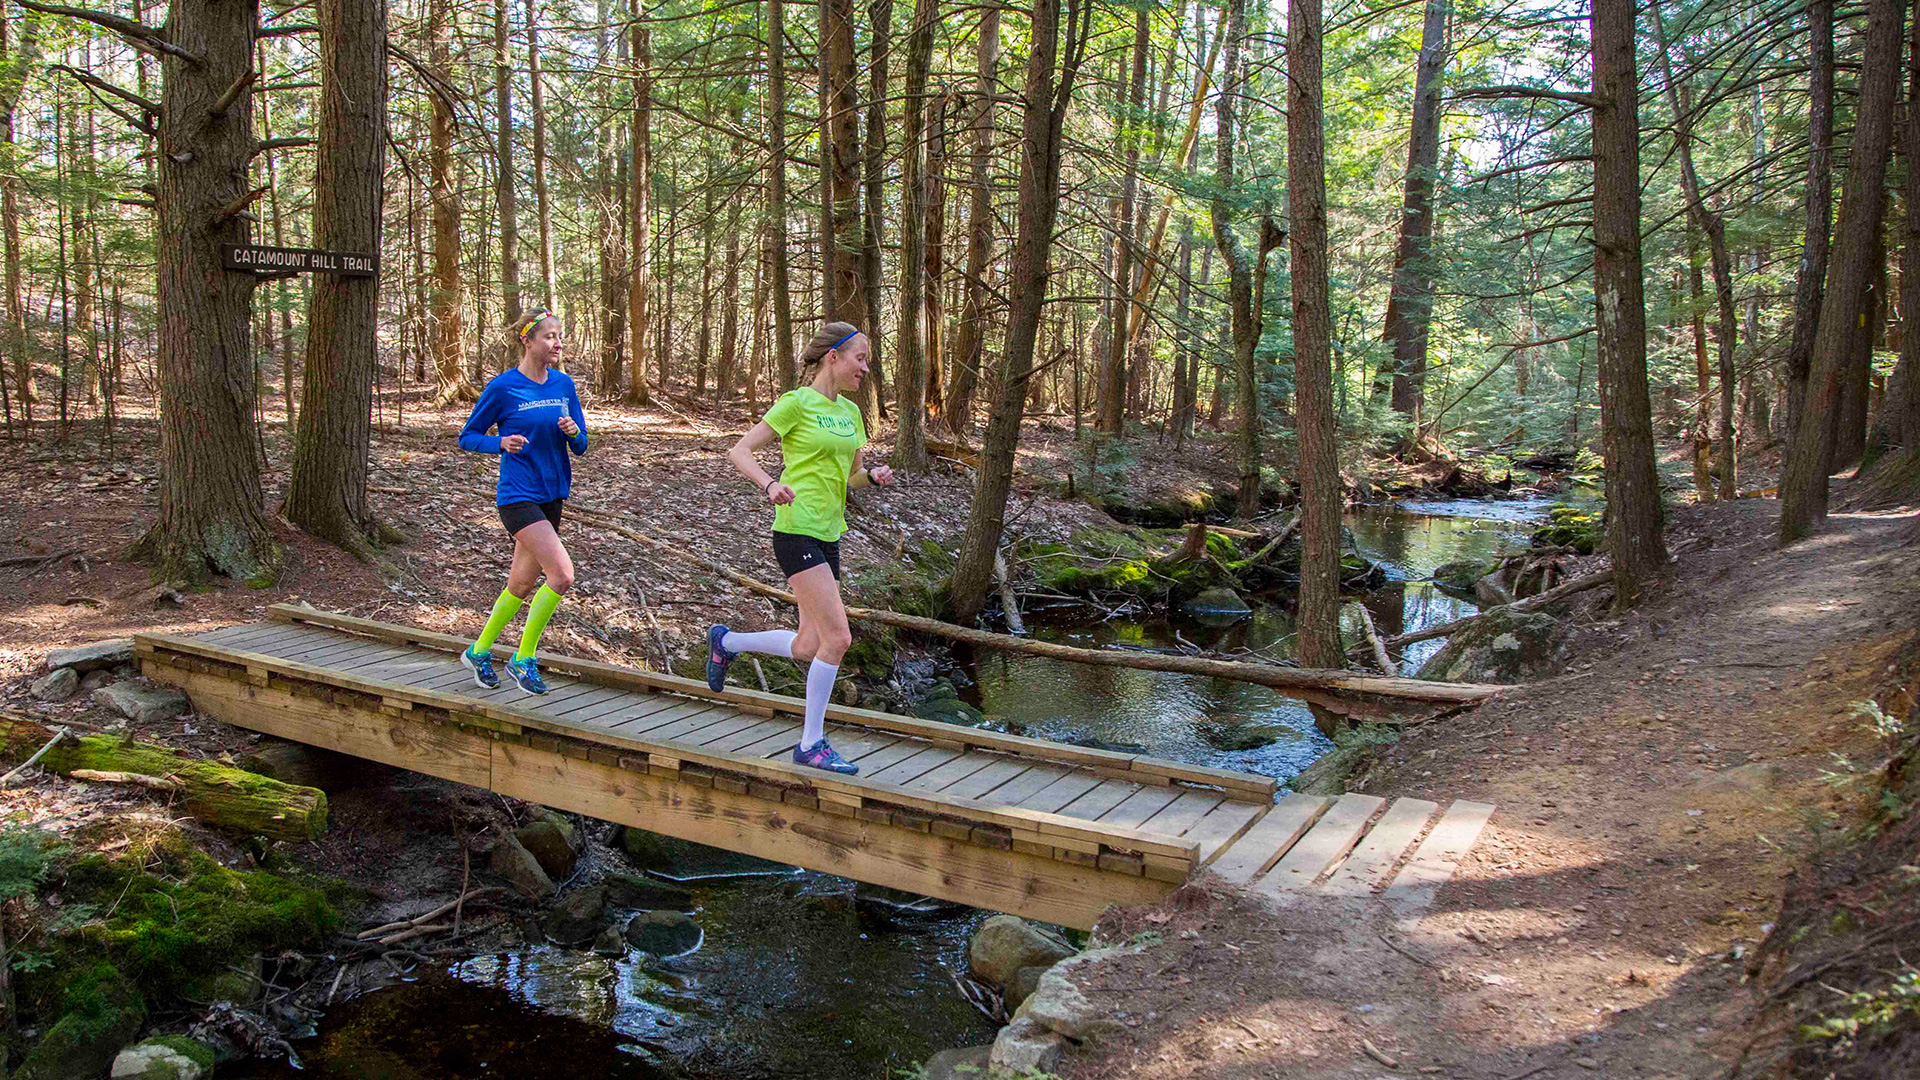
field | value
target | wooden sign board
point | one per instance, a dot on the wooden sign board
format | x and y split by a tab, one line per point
261	259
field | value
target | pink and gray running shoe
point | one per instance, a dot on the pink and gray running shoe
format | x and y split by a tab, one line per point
822	755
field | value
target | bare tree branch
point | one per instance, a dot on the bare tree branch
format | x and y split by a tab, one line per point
137	33
1469	93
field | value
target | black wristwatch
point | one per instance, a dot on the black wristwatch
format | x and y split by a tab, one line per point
871	482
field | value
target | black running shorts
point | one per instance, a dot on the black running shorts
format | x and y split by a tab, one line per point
517	516
796	552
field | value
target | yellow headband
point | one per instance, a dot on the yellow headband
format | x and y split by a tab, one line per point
538	316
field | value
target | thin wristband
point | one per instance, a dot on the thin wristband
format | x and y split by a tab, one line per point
770	482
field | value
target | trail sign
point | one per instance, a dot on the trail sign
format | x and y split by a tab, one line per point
261	259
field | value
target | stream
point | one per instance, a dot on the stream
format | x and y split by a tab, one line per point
800	976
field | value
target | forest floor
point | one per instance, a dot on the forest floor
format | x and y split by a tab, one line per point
1650	802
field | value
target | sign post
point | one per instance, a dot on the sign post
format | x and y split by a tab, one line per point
261	259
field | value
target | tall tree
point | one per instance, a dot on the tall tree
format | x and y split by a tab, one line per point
1318	621
1713	226
1634	514
782	351
1045	101
542	204
13	71
910	444
1803	483
840	229
640	227
444	192
212	512
1410	301
969	347
506	175
1809	283
1898	423
1110	396
874	176
1239	259
327	481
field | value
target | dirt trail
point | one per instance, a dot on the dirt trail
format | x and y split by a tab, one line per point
1649	801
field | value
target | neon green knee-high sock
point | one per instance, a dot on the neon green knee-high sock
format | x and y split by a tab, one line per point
504	609
544	602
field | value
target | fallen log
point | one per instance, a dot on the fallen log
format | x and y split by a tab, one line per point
1337	689
1380	655
1531	603
217	795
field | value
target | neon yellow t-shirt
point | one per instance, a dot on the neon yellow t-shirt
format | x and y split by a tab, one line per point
818	442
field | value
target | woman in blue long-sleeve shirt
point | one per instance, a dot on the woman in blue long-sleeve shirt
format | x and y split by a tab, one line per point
537	413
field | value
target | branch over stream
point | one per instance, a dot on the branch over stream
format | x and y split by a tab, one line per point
1342	691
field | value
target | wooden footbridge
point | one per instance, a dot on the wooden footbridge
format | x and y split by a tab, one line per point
997	821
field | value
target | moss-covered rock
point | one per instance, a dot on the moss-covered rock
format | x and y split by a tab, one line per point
1457	578
942	704
169	1057
1502	646
102	1012
1570	526
1237	737
1170	506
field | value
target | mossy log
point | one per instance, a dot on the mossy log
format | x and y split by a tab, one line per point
217	795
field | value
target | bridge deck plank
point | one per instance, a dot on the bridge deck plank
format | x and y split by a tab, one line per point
1271	838
1330	839
1222	826
992	781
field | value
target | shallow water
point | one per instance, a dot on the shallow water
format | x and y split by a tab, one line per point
1171	715
794	979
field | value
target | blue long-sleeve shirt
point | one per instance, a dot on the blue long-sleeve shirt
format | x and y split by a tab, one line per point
541	471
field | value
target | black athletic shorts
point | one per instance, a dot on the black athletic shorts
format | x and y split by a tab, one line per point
796	552
517	516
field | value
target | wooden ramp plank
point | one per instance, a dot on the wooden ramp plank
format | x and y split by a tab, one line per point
872	762
1366	869
777	744
1438	856
575	706
1139	806
1273	837
990	781
253	637
595	712
765	729
1066	788
1330	838
1223	825
690	719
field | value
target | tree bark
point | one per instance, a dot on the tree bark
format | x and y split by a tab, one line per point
1634	513
782	350
933	337
1046	107
504	193
1713	226
639	202
212	514
1809	282
874	170
448	294
1109	407
910	386
1410	300
1803	483
840	228
970	345
541	202
723	377
12	78
1702	373
1240	265
1318	621
327	480
1899	421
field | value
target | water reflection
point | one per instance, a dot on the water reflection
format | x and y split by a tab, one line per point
1183	716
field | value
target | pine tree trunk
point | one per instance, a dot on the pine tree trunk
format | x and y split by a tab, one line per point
1239	262
1810	280
704	342
508	178
639	210
1803	482
910	443
1185	358
448	296
1410	300
1626	417
1110	399
1899	421
612	168
12	79
970	344
327	482
540	155
874	175
781	352
1714	227
1702	374
933	335
723	378
1318	621
840	227
1041	138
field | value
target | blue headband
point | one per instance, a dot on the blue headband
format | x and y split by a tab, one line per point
843	341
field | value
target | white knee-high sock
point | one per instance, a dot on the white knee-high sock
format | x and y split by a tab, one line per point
820	676
772	642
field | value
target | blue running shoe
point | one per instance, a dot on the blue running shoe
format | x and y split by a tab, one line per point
718	659
527	674
821	755
481	664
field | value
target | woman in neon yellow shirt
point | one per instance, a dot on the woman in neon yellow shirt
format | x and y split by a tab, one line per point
821	434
